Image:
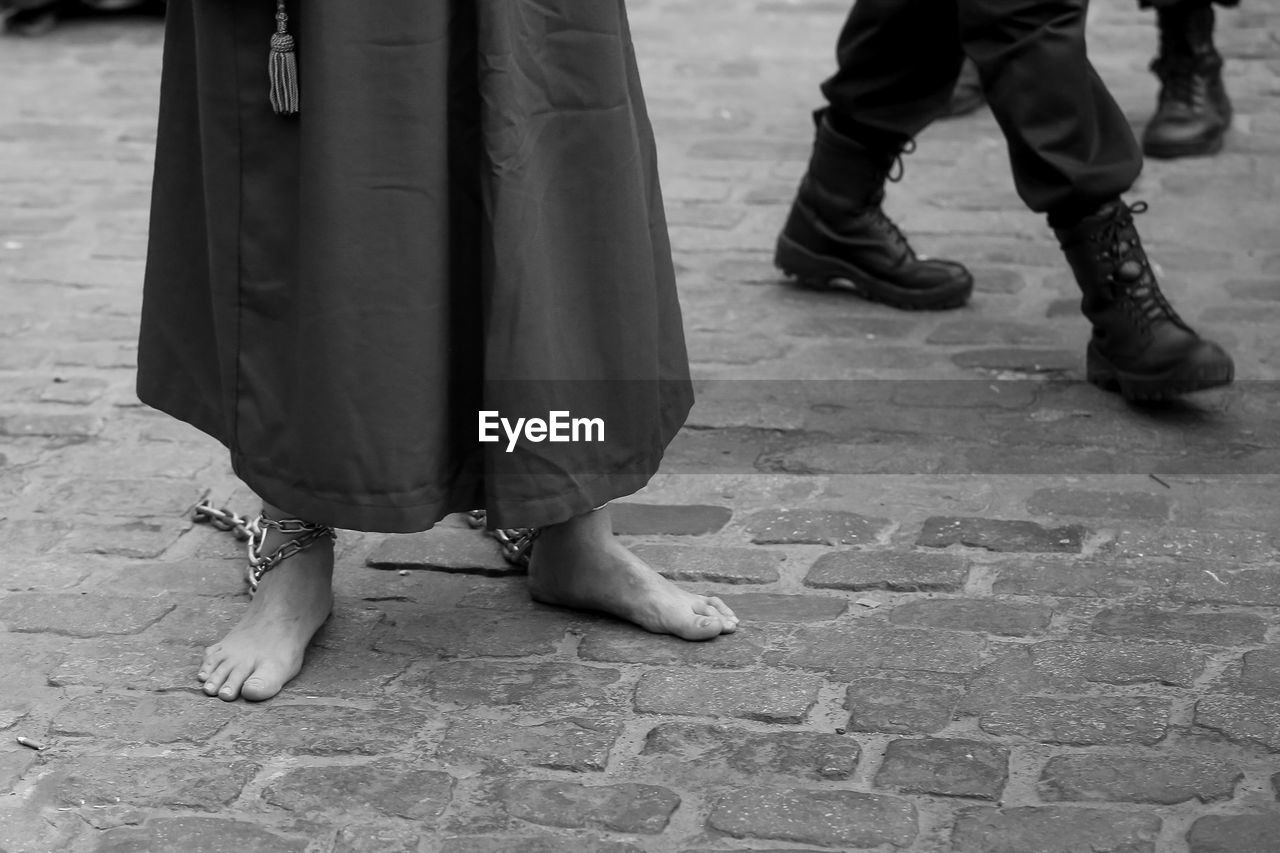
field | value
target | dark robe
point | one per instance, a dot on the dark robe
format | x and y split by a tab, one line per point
463	217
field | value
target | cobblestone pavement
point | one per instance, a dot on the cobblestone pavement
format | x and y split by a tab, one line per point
989	609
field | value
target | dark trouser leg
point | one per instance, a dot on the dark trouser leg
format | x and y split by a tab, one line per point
1070	146
894	77
1193	111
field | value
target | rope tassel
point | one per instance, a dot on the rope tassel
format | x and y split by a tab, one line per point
283	67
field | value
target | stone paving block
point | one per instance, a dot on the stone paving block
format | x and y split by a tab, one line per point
197	835
766	696
78	615
1019	359
1261	670
984	331
1080	721
178	782
537	844
1121	662
1242	719
1083	503
945	767
532	686
897	571
170	718
709	751
1247	833
712	565
845	650
1085	578
996	534
69	425
202	577
899	706
1260	587
626	807
336	674
636	519
1204	629
1163	779
1012	673
1053	829
814	527
323	730
761	607
376	839
616	642
145	539
821	817
29	573
578	744
1214	548
127	664
1006	618
469	632
153	496
965	394
443	549
386	788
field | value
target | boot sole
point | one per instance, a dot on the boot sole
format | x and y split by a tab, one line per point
1152	388
1206	148
819	271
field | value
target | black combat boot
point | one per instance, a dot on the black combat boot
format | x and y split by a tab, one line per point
1193	111
1140	346
838	231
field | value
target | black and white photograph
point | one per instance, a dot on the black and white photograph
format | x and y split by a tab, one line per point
640	426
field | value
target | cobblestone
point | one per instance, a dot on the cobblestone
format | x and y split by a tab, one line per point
1241	719
573	744
714	565
899	706
1005	618
814	527
710	750
1205	629
623	808
151	782
897	571
770	697
826	818
1080	721
948	768
1000	535
386	789
1053	829
1255	833
1166	780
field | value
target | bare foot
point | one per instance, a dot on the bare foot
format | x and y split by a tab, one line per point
581	564
266	648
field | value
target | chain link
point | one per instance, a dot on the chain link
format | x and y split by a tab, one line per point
516	542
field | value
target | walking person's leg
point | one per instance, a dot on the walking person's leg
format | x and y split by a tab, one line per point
1073	155
1193	112
897	64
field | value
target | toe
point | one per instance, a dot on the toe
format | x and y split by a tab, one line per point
230	690
700	628
716	609
214	682
720	606
213	656
264	683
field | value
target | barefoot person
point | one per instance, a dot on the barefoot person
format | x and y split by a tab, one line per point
460	216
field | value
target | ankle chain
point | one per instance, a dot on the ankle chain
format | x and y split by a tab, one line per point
516	542
259	565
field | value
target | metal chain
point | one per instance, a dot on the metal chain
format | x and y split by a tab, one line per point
516	542
221	519
260	565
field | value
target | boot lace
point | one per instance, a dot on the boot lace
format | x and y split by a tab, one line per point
892	173
1131	278
1181	81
